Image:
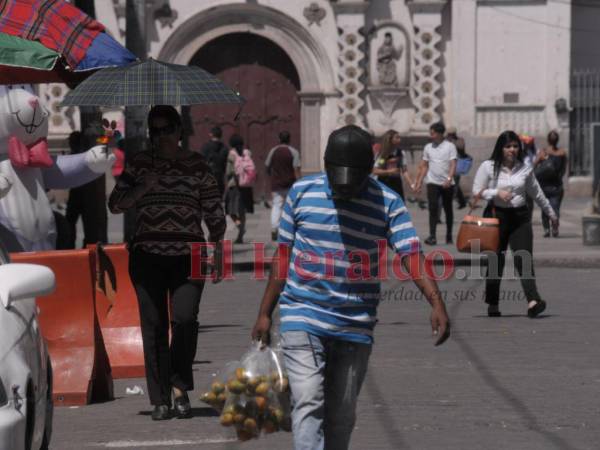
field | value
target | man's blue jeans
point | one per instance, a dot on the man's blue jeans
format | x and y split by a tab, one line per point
325	379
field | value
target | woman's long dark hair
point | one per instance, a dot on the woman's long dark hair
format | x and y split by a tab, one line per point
505	138
237	142
386	143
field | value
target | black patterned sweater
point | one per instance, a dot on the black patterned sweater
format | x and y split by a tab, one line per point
169	216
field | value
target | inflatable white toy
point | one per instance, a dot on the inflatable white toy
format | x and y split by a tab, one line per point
27	171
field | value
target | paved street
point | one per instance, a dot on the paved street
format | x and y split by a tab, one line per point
508	383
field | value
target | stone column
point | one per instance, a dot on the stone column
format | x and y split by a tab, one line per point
464	41
427	18
350	18
310	121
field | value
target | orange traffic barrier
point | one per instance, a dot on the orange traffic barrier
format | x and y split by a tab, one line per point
118	312
69	325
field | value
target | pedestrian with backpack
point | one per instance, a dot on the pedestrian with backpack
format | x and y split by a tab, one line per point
283	168
241	176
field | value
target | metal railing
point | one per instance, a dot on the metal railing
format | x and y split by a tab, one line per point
585	104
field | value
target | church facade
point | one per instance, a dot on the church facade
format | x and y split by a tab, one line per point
310	66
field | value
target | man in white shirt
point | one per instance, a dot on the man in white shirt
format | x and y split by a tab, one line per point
437	168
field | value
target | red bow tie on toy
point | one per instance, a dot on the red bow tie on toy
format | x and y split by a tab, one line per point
33	155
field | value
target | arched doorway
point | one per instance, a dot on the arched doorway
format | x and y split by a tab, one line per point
265	75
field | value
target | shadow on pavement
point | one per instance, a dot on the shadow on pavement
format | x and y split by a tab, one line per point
202	362
529	420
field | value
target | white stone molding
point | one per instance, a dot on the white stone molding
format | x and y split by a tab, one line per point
313	13
352	61
310	123
426	69
62	121
493	120
307	53
350	74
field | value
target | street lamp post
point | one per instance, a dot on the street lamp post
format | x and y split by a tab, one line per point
135	116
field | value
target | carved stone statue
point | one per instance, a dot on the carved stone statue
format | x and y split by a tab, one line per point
387	55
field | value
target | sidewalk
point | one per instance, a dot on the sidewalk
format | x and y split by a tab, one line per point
565	251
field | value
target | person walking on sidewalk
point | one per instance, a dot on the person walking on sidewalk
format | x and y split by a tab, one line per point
463	164
390	163
215	152
239	198
437	168
172	191
327	321
549	168
283	168
504	181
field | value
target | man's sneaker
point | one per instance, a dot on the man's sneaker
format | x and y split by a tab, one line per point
431	240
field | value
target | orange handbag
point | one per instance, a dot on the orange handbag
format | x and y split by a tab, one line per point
478	234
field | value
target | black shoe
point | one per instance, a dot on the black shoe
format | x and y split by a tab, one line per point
493	311
161	412
462	206
449	240
431	240
546	233
183	407
536	309
555	233
274	235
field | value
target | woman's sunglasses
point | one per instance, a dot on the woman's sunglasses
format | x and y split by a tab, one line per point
163	131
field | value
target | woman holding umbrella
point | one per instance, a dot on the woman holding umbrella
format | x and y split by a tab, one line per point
172	191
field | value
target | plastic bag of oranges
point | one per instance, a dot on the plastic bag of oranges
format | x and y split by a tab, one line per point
256	394
216	394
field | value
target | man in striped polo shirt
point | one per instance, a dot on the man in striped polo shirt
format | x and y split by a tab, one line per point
330	235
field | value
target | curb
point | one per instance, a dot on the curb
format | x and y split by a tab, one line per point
553	262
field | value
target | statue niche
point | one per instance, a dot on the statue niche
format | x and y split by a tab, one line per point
388	101
388	67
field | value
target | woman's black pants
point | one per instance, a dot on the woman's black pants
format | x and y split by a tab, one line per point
158	279
515	229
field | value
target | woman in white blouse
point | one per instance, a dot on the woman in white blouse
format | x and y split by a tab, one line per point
505	181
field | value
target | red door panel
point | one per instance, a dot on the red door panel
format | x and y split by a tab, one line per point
265	76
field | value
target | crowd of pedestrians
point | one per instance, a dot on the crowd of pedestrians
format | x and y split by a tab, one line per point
327	323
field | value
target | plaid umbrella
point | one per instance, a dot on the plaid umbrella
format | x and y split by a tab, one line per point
151	83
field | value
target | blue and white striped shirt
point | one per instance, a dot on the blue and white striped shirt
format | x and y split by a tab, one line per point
332	289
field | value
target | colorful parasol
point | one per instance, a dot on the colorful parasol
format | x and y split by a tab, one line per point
51	40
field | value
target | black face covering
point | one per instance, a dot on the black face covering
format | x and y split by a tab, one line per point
347	182
348	161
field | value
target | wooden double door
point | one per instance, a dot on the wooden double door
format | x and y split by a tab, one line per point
266	77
